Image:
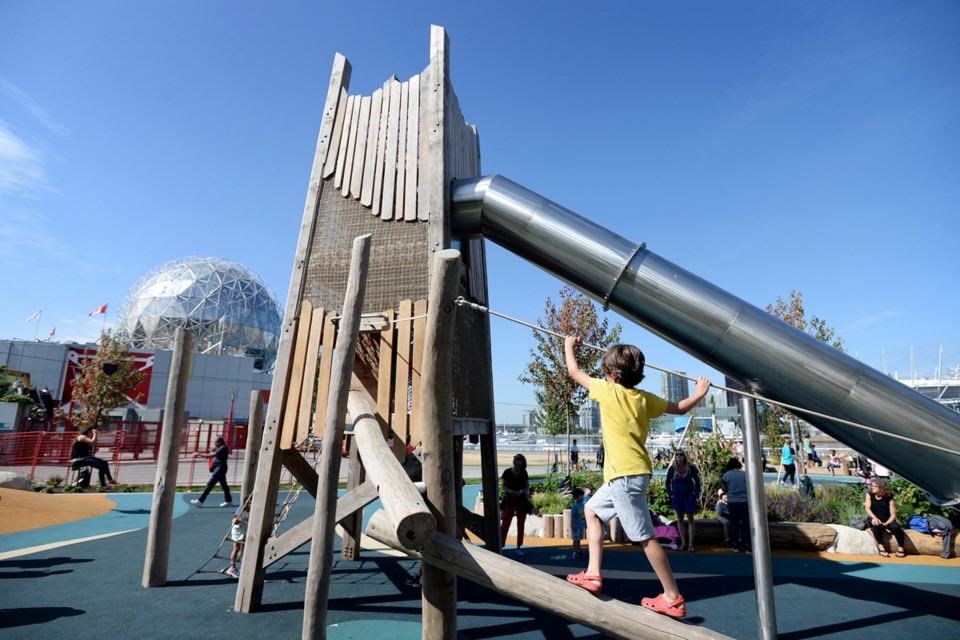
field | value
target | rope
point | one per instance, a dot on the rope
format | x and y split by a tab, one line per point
482	309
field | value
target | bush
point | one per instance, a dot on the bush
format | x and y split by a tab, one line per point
657	498
550	502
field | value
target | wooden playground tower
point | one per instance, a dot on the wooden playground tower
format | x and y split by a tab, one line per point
371	338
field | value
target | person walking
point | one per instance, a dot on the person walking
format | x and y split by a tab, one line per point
218	475
789	463
625	414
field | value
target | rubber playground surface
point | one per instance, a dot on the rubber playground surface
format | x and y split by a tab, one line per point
81	579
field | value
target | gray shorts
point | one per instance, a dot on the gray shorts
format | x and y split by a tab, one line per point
625	498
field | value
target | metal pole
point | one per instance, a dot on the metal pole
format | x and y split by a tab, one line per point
759	535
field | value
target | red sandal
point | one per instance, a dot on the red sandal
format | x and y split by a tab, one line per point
675	609
593	584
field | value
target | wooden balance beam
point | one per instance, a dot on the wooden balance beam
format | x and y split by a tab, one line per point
538	589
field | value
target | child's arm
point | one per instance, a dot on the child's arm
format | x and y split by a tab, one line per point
679	408
573	369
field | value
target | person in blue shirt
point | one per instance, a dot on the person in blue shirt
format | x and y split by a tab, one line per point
578	522
789	463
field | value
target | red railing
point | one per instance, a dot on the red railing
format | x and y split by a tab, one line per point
133	445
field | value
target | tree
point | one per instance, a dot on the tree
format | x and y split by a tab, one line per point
7	392
793	313
557	395
105	382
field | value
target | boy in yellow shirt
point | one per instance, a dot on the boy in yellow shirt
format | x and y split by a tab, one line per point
625	415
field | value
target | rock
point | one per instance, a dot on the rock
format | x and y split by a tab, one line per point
13	480
853	541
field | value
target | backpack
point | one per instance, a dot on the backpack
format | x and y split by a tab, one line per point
919	524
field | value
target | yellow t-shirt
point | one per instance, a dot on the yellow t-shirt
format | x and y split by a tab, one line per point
625	416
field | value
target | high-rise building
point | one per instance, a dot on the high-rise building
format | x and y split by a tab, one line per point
673	387
590	416
528	418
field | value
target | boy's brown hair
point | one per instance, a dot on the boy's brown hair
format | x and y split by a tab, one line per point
624	363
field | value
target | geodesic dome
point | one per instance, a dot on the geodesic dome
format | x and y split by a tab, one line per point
228	308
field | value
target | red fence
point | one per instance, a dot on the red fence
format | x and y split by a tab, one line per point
122	444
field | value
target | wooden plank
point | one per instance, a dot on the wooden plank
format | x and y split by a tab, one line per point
351	144
370	162
413	145
344	143
381	158
401	152
327	343
341	115
353	524
385	374
360	147
401	417
289	427
390	164
437	191
309	376
423	169
419	328
301	469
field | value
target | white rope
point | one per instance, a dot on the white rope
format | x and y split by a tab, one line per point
482	309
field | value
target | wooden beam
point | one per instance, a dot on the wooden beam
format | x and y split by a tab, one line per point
309	382
302	470
541	590
404	504
292	409
436	420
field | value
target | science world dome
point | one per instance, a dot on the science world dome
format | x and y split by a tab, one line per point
229	309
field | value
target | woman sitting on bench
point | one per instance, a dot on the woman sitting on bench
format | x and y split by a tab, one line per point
81	455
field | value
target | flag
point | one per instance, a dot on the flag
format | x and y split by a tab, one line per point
52	331
34	316
98	310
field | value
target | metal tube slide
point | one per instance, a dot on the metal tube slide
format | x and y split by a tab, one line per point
767	355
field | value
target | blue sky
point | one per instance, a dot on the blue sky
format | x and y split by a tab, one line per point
762	146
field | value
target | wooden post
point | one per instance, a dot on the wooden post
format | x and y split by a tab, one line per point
401	500
264	503
436	416
252	451
321	548
538	589
165	485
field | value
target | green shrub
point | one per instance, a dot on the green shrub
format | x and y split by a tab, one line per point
53	482
550	502
657	498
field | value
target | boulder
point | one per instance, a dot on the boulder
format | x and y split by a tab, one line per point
13	480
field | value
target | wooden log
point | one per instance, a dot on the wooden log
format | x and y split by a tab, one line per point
321	548
352	525
254	438
157	557
547	526
567	522
264	501
436	420
538	589
403	503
